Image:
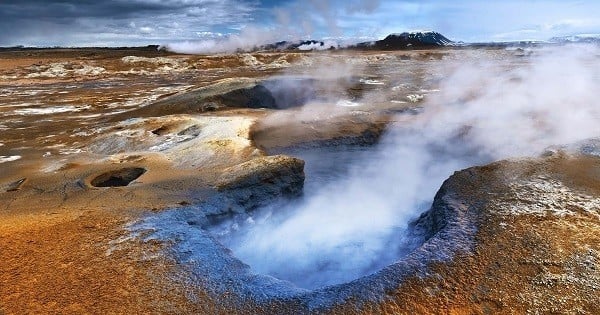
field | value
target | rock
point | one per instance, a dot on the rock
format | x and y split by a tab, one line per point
232	93
255	182
187	141
246	186
517	233
353	130
194	101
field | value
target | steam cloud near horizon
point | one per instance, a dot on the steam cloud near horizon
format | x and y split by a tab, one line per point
294	23
486	110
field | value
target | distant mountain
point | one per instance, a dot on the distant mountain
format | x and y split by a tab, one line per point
412	40
421	40
592	39
408	40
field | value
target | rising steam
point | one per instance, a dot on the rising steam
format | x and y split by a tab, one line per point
292	22
486	110
249	38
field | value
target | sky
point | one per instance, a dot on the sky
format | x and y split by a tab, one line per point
144	22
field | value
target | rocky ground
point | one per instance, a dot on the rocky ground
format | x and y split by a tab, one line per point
96	145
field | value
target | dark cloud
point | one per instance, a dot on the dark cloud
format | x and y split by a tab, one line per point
117	22
142	22
362	6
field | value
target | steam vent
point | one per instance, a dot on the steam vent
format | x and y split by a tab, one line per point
408	175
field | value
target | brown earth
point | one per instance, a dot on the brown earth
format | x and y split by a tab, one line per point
525	262
59	236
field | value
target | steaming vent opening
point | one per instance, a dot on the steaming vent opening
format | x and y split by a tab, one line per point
309	241
338	231
290	92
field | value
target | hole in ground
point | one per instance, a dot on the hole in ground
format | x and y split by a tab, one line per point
281	93
117	178
314	242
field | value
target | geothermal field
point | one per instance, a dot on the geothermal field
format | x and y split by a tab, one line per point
453	180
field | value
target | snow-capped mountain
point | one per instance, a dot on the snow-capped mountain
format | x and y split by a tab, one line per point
408	40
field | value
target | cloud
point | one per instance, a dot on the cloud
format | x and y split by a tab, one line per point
146	30
112	22
72	22
525	34
554	28
248	38
363	6
292	21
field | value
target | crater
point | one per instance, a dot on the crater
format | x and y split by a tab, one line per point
118	178
281	93
333	249
291	92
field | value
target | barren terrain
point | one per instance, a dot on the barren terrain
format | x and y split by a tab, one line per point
102	150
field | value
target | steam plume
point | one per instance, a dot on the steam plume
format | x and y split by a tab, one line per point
485	111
